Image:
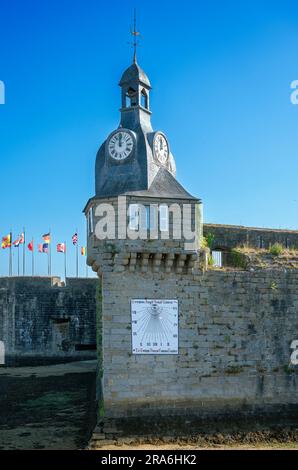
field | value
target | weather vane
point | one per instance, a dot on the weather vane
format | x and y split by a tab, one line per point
135	35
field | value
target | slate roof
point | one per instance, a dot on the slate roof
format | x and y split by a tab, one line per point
134	73
164	185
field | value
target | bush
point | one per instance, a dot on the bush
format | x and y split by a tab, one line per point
208	240
276	249
237	259
204	243
210	261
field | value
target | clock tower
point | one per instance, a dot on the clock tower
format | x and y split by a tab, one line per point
144	232
133	154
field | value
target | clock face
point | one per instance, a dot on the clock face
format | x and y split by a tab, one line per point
154	326
161	148
120	145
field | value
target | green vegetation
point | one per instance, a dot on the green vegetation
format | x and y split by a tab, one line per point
209	240
276	249
273	285
237	259
210	260
204	243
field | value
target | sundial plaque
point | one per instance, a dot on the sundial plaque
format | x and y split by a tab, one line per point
154	326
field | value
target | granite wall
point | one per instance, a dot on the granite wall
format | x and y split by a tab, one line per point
231	236
235	333
43	321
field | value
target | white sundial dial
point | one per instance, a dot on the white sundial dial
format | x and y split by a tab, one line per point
154	326
120	145
161	148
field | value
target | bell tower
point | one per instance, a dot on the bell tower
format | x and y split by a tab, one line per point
144	232
135	91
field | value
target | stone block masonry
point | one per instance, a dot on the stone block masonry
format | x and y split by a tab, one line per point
231	236
235	332
42	321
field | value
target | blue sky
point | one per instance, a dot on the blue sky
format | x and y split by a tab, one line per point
221	74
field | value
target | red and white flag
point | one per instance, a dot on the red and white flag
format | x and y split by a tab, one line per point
22	239
61	248
30	246
16	243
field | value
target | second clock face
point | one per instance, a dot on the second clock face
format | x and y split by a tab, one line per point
161	148
120	145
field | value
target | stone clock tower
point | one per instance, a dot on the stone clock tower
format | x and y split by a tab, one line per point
144	232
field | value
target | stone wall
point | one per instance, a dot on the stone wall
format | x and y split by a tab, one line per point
43	321
235	332
231	236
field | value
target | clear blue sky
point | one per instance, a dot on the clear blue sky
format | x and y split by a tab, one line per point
221	74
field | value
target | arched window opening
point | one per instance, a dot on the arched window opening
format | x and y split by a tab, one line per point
131	98
144	99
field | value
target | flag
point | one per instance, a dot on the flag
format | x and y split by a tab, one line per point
22	239
47	238
6	242
45	248
16	243
75	239
30	246
61	248
40	250
83	251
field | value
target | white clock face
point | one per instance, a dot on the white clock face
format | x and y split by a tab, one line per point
154	326
120	145
161	148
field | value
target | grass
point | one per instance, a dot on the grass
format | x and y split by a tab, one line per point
276	249
238	259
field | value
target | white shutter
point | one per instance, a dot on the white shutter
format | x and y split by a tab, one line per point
90	221
153	217
163	218
144	217
133	217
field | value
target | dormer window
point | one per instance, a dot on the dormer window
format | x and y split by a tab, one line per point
131	98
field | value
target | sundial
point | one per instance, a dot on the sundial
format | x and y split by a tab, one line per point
154	326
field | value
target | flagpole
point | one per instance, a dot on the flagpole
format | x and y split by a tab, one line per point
50	255
10	255
77	254
65	261
32	256
18	260
24	252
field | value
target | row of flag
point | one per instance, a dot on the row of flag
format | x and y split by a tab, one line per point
42	247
